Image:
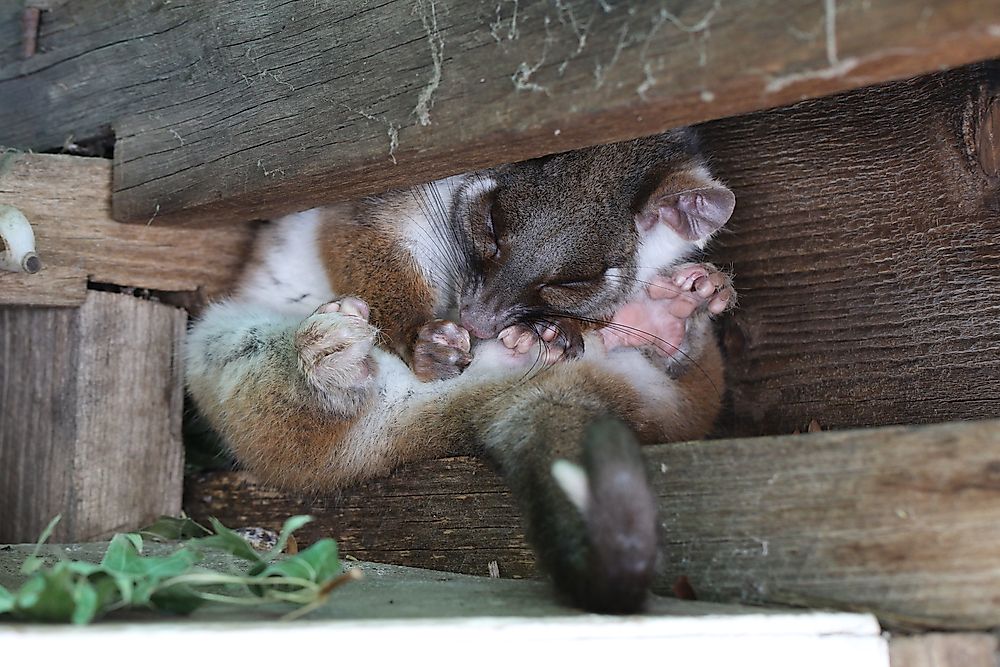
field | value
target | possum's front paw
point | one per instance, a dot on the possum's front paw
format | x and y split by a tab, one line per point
441	351
540	344
661	318
334	347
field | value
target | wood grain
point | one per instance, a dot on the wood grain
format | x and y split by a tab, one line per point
903	522
937	649
251	108
39	361
128	460
68	202
866	248
452	514
91	404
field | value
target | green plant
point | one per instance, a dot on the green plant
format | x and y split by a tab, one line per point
78	591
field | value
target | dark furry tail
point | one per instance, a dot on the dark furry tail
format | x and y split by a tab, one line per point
589	508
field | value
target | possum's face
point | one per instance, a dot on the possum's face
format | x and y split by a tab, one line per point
564	238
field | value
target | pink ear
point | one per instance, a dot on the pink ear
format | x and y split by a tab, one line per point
695	214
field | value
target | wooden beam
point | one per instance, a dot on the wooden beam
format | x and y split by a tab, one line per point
967	649
254	108
902	522
68	202
865	245
91	401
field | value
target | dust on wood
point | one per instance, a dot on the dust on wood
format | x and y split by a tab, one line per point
252	108
68	202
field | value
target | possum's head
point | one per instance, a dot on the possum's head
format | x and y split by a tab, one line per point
568	235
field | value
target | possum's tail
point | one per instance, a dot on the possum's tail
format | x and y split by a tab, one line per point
589	510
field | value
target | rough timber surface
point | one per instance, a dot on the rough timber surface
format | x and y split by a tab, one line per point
935	649
249	108
902	522
395	613
90	416
68	202
866	248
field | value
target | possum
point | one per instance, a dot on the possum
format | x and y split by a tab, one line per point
546	316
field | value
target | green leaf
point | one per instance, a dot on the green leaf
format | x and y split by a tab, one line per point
180	599
318	563
122	555
78	592
47	533
291	525
7	600
227	541
86	601
47	596
175	528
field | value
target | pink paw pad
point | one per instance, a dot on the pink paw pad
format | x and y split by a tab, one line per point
523	339
692	285
659	320
349	305
442	350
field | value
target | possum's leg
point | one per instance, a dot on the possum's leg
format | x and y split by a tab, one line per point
285	392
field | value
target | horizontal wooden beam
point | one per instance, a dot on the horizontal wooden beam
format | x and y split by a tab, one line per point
68	202
256	108
903	522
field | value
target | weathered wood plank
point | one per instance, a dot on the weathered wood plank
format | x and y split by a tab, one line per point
904	522
251	108
68	202
452	514
91	401
38	380
866	247
52	286
393	613
944	650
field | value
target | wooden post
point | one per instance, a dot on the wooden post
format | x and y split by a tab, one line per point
90	416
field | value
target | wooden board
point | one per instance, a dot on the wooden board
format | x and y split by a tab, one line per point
937	649
68	202
91	401
395	613
255	108
452	514
866	247
904	522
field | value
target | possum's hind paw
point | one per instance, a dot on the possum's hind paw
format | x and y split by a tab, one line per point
660	318
334	347
692	286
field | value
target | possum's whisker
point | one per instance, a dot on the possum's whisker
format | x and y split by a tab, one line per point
655	341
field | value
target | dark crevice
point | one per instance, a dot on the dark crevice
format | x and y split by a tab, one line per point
101	145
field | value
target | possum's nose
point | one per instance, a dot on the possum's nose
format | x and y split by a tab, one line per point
480	322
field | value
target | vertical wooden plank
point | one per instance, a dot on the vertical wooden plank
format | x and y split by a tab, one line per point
129	408
90	416
968	649
38	381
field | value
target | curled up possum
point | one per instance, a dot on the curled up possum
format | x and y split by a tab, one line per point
545	316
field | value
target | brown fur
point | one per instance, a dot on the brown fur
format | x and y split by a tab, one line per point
367	260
